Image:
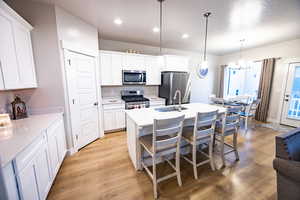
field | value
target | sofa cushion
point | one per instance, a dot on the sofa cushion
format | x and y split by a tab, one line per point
288	145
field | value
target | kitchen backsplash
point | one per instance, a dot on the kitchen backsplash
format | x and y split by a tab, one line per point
114	91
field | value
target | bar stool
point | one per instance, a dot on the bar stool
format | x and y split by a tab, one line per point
228	126
202	132
165	140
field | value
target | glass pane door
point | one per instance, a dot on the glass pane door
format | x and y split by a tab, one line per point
294	107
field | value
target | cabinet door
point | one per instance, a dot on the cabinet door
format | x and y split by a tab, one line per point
42	172
109	120
120	119
116	69
134	62
105	66
27	183
61	142
153	71
8	57
24	56
53	153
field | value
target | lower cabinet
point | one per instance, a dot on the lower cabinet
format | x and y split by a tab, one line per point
56	146
34	180
114	117
31	173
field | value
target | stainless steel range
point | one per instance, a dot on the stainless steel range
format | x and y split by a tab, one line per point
134	99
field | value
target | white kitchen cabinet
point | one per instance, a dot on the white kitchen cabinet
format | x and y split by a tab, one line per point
33	171
175	63
43	172
16	55
56	145
111	68
113	117
27	183
153	70
134	62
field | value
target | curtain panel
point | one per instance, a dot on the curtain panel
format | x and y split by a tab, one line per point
264	89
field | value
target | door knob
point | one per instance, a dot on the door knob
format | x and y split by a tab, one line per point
96	104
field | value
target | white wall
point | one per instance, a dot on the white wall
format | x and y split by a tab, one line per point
83	37
75	31
285	50
49	94
201	88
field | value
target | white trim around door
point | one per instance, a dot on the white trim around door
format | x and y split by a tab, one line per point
290	113
83	95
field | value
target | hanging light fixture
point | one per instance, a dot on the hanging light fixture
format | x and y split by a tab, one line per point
241	63
203	70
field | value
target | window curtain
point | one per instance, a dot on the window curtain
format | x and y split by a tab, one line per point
264	89
221	84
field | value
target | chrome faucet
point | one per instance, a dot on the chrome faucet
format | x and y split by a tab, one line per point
179	98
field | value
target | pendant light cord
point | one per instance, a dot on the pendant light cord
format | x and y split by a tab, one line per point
160	27
206	15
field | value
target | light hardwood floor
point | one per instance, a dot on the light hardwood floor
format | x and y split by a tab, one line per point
103	170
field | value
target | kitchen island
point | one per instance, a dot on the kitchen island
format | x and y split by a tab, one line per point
140	122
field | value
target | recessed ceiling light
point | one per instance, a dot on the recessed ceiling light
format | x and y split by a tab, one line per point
155	29
185	36
118	21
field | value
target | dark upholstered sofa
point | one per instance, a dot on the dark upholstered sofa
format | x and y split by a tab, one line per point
287	165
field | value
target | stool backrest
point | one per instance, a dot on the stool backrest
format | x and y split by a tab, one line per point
205	123
167	132
232	118
251	109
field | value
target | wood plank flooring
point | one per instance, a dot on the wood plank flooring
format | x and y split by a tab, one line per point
103	171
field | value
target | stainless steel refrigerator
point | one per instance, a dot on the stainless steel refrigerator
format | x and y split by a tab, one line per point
172	81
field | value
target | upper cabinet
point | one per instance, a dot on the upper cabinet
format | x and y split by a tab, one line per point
110	68
134	62
175	63
112	63
153	70
16	56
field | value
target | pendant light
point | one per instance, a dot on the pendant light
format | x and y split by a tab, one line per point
203	71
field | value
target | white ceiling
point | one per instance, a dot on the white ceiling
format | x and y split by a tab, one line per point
259	22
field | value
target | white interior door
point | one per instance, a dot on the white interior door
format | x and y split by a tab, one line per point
83	100
291	106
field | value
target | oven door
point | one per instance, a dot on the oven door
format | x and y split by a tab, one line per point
134	77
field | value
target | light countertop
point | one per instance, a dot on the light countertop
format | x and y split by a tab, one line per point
145	116
112	100
118	100
154	98
22	133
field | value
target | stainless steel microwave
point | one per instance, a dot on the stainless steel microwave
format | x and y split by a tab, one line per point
134	77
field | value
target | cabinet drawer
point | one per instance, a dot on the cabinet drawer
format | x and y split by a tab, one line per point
113	106
29	153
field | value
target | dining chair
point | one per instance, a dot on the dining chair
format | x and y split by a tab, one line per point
228	126
249	112
164	141
201	132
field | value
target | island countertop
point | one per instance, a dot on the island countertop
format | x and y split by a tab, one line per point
22	133
145	116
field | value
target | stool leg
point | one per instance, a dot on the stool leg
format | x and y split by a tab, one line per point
211	157
222	150
195	160
154	177
178	167
235	145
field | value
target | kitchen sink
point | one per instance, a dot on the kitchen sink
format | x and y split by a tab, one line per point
170	109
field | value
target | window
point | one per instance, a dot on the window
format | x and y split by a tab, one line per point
239	81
